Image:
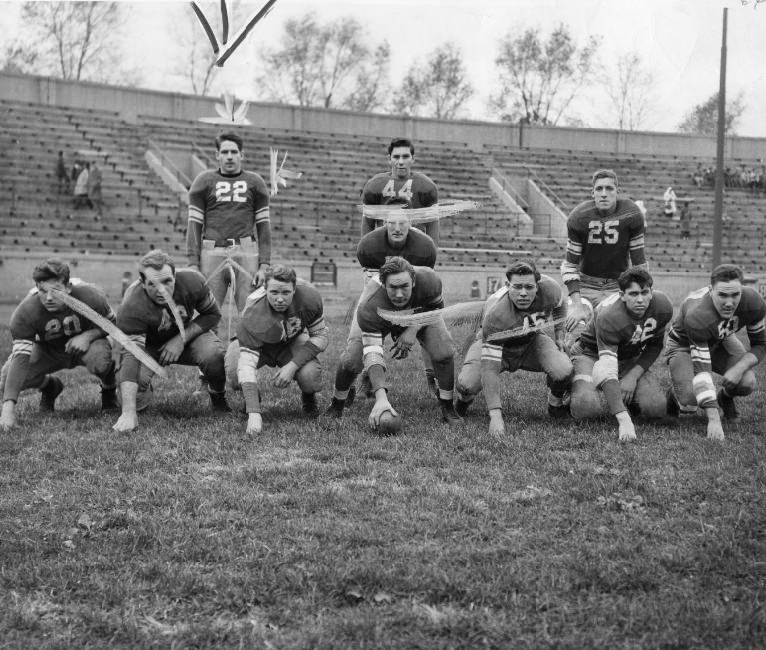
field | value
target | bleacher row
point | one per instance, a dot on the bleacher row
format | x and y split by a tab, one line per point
316	217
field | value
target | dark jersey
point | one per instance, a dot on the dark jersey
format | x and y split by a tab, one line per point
417	191
374	247
614	331
602	246
261	326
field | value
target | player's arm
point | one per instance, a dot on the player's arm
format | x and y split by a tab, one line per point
369	197
702	382
319	339
262	231
16	373
637	231
491	367
559	317
196	221
431	228
208	312
756	334
570	275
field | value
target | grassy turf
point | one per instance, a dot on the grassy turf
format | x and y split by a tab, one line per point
318	534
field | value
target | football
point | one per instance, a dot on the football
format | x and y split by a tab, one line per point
389	424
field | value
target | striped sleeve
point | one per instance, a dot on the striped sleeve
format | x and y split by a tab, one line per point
704	387
570	267
17	369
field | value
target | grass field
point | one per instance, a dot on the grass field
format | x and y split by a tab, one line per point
188	534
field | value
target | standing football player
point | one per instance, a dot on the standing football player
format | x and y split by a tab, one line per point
148	314
49	336
702	340
395	239
404	287
283	327
605	236
228	236
401	184
621	341
513	338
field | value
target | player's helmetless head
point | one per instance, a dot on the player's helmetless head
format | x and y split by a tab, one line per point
397	229
636	290
157	273
280	287
401	154
397	275
605	190
229	153
726	289
522	278
50	276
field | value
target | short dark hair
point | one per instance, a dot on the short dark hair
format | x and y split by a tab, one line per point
636	274
522	267
155	259
281	273
51	269
604	173
232	137
401	142
726	273
394	265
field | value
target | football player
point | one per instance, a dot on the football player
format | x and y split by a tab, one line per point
403	287
395	239
49	336
605	236
282	326
621	341
147	316
229	232
702	340
513	337
401	184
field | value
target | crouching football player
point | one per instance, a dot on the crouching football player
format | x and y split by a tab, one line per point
146	316
48	336
512	338
281	326
702	340
614	352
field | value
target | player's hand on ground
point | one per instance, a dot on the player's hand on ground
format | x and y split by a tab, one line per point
254	424
284	375
127	422
577	313
77	344
8	416
171	351
403	344
714	431
627	431
628	388
378	409
496	425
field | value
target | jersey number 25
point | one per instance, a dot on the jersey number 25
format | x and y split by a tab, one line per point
603	232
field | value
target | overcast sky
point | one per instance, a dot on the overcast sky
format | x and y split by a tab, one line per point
678	40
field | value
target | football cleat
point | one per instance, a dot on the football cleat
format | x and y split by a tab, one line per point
461	408
558	412
309	404
219	403
49	394
109	400
335	410
728	407
448	412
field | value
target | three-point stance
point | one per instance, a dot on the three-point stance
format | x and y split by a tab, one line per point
282	326
615	351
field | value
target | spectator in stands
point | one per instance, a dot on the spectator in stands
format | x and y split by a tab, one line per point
62	176
149	312
669	200
703	340
81	188
95	178
401	184
686	220
605	235
228	236
76	169
49	336
698	176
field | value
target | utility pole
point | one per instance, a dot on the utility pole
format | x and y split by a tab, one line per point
719	177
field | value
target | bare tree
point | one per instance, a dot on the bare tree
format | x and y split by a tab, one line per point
703	118
539	79
316	64
437	89
630	91
72	40
372	83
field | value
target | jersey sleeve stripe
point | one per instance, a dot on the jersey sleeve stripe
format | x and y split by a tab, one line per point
491	352
22	346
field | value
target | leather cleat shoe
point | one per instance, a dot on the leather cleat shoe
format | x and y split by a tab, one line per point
335	410
49	394
461	408
448	413
219	403
728	407
309	404
109	400
558	412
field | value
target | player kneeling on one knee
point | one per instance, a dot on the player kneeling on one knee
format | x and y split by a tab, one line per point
513	338
48	335
282	326
703	341
616	349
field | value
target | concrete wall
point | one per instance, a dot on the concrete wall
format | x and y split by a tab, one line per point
129	103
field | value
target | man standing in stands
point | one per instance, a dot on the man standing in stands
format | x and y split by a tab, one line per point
282	326
95	179
401	184
396	239
702	340
228	236
149	312
62	176
49	336
605	236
